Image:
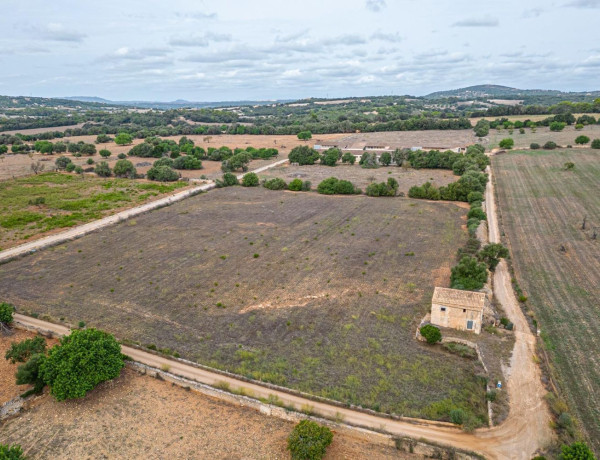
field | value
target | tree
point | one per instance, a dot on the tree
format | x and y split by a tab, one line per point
596	144
228	180
507	143
162	174
385	159
468	274
124	168
491	255
21	351
303	155
275	184
482	128
6	313
105	153
235	162
534	146
304	135
550	145
30	373
123	139
59	147
11	452
330	157
400	156
576	451
102	169
309	441
103	139
383	189
70	167
187	162
87	149
431	333
348	158
557	126
295	185
250	180
581	140
81	361
62	162
3	149
369	160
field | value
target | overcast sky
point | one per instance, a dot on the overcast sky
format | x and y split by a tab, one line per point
273	49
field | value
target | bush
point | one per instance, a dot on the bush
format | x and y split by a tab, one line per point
582	140
385	159
121	156
306	186
474	197
557	126
162	174
6	313
579	126
426	192
330	157
576	451
22	351
250	180
87	149
123	139
348	158
304	135
275	184
124	168
145	150
295	185
105	153
164	161
187	162
235	162
102	169
491	255
103	139
469	274
309	441
477	213
70	167
431	333
31	373
550	145
383	189
458	416
11	452
303	155
228	180
78	170
369	160
534	146
507	143
81	361
62	162
596	144
334	186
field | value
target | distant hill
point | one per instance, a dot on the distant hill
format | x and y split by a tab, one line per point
178	104
498	91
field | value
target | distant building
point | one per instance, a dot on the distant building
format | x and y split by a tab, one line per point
456	309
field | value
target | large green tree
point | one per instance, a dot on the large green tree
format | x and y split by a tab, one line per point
468	274
123	139
81	361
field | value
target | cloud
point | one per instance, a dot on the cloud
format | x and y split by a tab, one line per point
128	54
477	22
533	12
386	37
58	32
291	37
584	4
196	15
291	73
200	41
375	5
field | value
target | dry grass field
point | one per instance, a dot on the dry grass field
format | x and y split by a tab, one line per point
37	205
138	416
318	293
519	118
360	177
406	139
558	264
541	136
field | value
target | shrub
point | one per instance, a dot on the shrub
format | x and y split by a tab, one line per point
507	143
383	189
295	185
576	451
385	158
124	168
164	161
275	184
334	186
187	162
62	162
30	372
309	440
568	166
90	161
596	144
11	452
87	149
534	146
103	139
482	128
557	126
228	180
330	157
123	139
121	156
579	126
81	361
6	313
304	135
250	180
468	274
145	150
474	196
431	333
476	212
550	145
105	153
306	186
426	192
22	351
78	170
237	161
348	158
303	155
581	140
102	169
491	255
368	160
458	416
70	167
162	174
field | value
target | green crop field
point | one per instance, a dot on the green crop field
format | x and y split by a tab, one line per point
318	293
558	264
34	205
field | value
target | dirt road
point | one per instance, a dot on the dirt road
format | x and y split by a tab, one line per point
524	431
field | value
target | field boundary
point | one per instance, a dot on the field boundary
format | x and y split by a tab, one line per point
82	230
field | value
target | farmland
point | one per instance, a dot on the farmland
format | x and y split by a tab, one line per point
321	294
35	205
360	177
558	264
541	136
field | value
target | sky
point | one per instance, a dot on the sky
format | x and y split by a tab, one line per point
272	49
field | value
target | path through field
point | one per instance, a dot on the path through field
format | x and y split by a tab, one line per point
525	430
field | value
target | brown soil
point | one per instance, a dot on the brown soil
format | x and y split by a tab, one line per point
138	416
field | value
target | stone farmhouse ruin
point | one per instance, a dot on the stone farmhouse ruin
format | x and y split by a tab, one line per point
456	309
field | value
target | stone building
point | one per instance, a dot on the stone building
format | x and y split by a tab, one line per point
456	309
